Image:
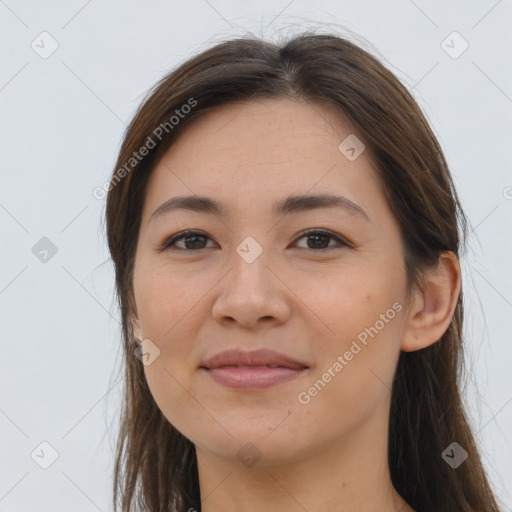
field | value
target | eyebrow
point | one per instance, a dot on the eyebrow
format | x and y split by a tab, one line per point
291	204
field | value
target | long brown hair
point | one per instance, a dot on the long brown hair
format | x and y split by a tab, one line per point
156	466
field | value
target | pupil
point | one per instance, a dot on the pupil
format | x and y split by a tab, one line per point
192	237
319	236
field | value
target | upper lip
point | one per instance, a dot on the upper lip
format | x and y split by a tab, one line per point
255	358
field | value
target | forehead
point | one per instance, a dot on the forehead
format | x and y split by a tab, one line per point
258	151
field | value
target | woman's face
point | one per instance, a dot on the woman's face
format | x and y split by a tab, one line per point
249	278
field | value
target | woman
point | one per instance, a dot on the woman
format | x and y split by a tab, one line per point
286	239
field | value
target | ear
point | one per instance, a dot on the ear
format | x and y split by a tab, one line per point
431	309
137	330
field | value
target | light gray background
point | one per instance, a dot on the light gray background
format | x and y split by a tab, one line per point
61	122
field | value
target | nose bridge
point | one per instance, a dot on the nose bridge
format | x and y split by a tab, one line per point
250	291
250	264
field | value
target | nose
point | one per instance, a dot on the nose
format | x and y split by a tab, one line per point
252	294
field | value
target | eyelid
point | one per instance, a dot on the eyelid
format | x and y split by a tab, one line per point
341	240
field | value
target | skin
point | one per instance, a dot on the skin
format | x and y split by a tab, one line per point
330	453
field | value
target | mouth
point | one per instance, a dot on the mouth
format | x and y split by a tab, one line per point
258	369
246	377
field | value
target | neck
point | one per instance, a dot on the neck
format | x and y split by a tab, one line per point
341	475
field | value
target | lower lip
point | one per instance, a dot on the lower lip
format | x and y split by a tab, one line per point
257	377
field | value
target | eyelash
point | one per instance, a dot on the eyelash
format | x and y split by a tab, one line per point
167	245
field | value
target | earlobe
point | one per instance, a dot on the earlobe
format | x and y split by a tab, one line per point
432	308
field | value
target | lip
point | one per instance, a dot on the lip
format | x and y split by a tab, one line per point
259	369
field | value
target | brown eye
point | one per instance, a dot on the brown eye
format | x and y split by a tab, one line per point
319	240
193	240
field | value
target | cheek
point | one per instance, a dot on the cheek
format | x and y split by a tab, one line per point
171	390
169	307
353	379
166	299
364	315
352	300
